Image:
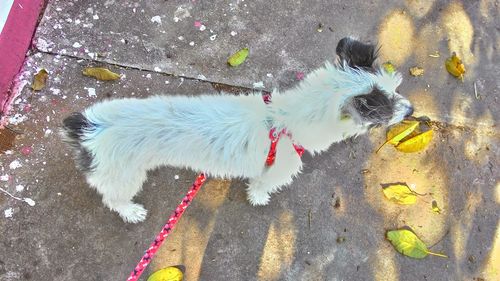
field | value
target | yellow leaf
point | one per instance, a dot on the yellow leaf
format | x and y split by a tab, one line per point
167	274
238	57
398	132
100	73
389	67
416	143
435	207
40	79
455	66
400	194
416	71
408	244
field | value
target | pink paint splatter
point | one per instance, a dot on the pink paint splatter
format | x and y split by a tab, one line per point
299	75
197	24
27	108
26	150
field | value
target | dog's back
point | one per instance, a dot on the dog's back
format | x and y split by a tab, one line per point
185	131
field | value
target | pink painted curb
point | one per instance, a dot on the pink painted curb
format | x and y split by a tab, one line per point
15	40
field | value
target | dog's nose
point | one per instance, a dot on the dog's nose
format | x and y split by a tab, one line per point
409	111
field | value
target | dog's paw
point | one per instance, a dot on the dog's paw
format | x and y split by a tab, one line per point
133	213
258	198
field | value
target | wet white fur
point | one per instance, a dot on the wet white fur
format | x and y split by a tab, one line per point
222	135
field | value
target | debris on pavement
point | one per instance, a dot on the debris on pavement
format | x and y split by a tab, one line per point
416	71
40	79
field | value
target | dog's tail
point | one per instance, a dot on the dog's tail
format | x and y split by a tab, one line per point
74	131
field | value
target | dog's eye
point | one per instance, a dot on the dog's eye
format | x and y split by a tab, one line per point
345	117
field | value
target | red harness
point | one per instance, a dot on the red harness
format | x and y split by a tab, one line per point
275	137
200	180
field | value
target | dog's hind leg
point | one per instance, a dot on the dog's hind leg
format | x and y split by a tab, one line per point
281	173
118	190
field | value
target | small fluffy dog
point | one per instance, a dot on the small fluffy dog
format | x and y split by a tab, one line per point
116	142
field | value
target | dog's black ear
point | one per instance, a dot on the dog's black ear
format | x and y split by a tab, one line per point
355	53
374	107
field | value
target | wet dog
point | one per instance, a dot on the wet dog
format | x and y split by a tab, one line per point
116	142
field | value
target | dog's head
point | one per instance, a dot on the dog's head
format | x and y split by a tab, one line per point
380	103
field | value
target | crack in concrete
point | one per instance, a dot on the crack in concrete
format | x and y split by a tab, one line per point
132	67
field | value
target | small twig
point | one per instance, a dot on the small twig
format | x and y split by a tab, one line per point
475	91
182	81
309	217
435	55
29	201
14	197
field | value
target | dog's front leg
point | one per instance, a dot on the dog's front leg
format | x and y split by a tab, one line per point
286	166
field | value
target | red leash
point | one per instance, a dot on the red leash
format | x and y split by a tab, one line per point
172	221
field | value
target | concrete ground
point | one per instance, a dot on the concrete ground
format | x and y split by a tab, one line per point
330	223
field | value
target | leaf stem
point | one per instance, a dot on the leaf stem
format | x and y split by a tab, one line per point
436	254
419	194
381	146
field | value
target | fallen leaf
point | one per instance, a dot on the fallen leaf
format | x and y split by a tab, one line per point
40	79
399	193
415	143
100	73
455	66
238	57
435	207
410	135
416	71
167	274
399	131
389	67
408	244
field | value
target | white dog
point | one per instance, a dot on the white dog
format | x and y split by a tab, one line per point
118	141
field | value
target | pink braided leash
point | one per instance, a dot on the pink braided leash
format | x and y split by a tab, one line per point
169	226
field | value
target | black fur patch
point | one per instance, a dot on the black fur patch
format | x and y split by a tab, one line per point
374	107
355	53
74	128
75	124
